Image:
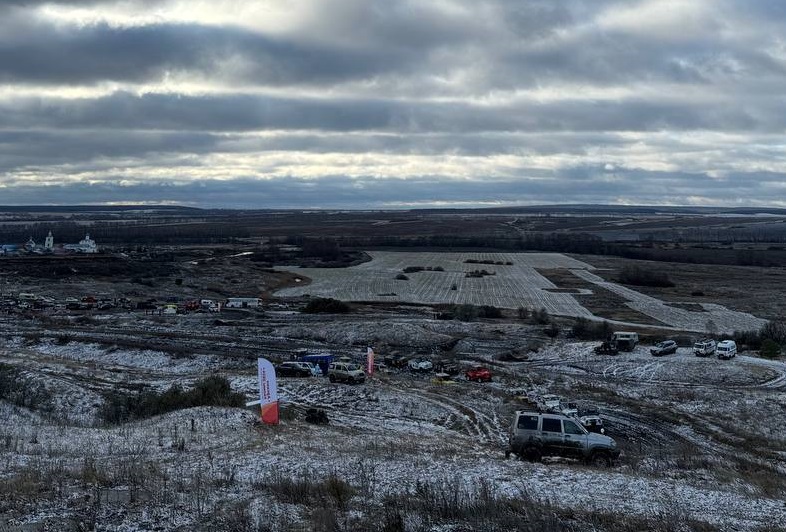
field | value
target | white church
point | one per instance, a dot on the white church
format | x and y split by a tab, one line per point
86	245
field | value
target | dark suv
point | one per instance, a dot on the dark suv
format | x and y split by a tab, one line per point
292	369
536	434
667	347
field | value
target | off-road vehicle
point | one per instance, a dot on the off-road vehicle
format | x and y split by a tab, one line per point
666	347
607	348
726	349
625	341
549	403
704	347
534	435
346	372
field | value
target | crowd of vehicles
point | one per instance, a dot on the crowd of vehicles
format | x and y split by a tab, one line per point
319	365
705	347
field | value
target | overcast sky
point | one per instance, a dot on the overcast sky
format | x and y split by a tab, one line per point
392	104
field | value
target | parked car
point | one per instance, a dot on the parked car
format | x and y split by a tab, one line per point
593	423
607	348
395	361
667	347
526	396
549	402
292	369
314	369
447	367
568	408
726	349
321	361
478	374
346	372
420	364
534	435
443	378
704	348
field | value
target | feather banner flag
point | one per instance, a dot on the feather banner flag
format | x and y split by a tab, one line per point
370	361
268	392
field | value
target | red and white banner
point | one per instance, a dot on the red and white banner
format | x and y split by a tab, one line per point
268	392
370	361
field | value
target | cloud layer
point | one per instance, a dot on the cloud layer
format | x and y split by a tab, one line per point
379	103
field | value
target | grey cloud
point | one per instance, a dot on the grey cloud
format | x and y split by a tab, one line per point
414	78
46	54
96	151
399	43
40	149
253	113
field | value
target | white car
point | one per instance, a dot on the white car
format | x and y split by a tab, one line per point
568	408
550	403
593	423
420	364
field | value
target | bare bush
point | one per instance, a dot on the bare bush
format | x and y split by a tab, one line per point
20	389
210	391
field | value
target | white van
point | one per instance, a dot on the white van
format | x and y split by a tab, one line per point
726	349
704	348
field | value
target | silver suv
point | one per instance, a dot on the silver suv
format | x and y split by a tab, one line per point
534	435
346	372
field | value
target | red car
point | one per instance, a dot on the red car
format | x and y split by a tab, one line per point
478	374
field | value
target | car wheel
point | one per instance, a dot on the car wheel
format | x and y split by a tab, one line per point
332	378
532	453
600	460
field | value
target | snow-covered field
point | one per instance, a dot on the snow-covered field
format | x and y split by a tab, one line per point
512	285
698	438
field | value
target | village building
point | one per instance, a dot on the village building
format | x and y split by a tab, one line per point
86	245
